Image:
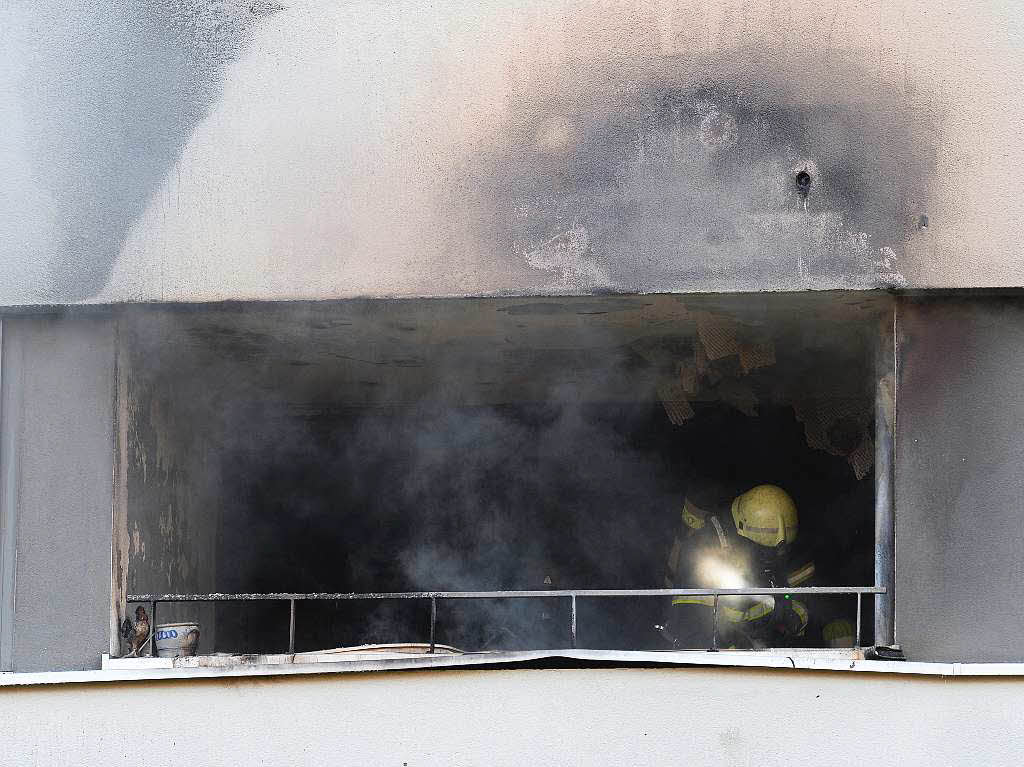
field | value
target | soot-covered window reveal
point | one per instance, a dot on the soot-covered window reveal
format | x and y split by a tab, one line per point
641	442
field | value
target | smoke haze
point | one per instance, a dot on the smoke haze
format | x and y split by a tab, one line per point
426	485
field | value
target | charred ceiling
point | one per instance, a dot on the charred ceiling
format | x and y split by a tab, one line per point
481	351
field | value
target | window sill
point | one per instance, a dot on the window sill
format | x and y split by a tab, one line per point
139	669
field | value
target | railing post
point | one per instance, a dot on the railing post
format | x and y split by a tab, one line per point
433	621
714	625
572	620
291	626
856	634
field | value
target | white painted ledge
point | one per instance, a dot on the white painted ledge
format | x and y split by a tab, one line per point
140	669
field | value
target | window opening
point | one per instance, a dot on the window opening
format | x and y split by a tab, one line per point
493	475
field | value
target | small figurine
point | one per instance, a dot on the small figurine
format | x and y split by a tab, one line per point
136	633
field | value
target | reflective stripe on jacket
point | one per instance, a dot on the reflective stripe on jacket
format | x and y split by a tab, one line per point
762	608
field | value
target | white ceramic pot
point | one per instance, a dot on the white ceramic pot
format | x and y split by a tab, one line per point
176	640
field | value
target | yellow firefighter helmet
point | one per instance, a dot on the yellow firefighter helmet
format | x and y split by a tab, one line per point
765	515
838	633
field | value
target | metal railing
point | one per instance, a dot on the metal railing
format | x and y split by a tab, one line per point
570	594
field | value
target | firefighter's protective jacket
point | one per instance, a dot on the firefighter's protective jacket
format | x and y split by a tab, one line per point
757	621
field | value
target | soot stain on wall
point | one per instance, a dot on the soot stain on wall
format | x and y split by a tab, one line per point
682	175
118	107
636	173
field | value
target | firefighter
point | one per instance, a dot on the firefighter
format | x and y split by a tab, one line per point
746	543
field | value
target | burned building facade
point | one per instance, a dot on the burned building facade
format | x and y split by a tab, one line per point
318	318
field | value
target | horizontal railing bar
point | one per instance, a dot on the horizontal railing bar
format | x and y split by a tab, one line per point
806	590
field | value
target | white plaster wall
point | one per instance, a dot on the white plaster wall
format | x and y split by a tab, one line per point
57	414
494	718
329	148
960	552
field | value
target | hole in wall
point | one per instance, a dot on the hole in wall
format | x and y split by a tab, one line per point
803	183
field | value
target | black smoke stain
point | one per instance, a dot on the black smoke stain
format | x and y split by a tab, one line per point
552	308
683	174
116	91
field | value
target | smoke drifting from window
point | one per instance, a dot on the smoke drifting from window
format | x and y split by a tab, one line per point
440	446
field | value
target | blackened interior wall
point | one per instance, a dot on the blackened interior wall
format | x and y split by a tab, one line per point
168	459
959	480
503	498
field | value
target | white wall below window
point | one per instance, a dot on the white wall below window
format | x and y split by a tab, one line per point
692	716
